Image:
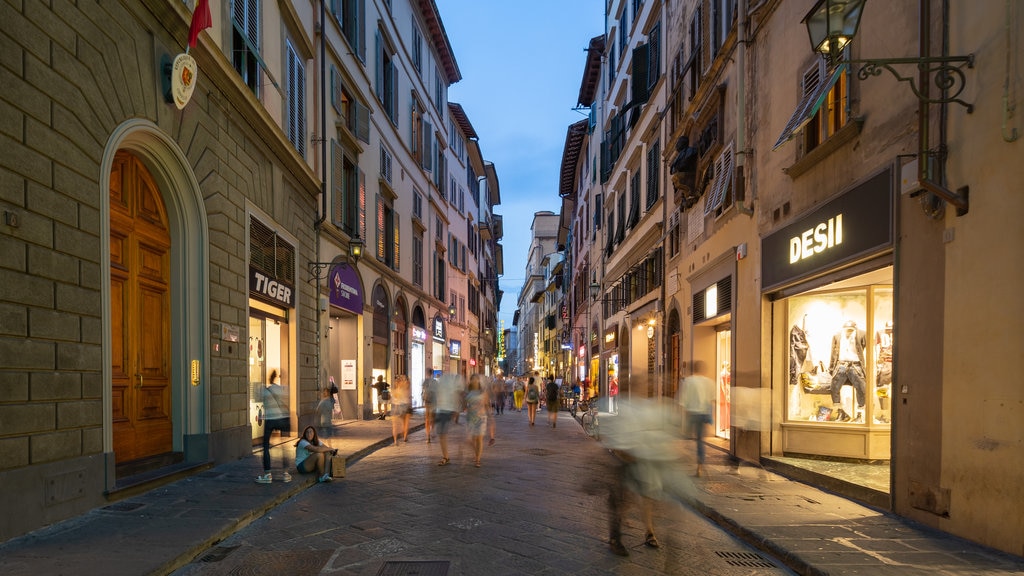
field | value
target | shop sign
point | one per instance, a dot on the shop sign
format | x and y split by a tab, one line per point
438	331
851	226
346	291
611	338
267	288
418	334
455	349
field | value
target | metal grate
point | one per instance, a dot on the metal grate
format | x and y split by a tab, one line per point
538	452
217	554
418	568
744	559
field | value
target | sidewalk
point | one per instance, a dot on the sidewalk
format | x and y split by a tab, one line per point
811	531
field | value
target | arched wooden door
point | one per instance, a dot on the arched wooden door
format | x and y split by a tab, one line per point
140	249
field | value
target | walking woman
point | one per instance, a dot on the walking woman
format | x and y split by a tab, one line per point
477	407
401	408
532	399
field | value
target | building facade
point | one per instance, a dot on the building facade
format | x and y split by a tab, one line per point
179	229
820	227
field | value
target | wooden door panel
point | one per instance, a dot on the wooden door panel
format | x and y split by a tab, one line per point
140	313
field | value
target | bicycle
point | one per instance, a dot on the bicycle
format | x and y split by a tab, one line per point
589	420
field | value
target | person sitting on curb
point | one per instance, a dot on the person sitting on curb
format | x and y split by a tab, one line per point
311	455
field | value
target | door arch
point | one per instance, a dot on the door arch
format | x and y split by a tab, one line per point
189	267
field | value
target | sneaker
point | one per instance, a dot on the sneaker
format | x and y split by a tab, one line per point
286	477
264	478
840	415
326	478
859	419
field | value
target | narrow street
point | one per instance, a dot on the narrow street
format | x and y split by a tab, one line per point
537	505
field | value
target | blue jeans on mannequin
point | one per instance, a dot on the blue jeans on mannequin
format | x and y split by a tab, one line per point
852	373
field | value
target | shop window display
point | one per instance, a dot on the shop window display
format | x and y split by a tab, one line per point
840	371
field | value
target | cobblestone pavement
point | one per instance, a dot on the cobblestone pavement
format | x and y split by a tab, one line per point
537	505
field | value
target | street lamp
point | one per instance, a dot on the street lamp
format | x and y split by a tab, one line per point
832	25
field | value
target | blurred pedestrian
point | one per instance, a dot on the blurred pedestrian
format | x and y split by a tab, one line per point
497	386
698	400
429	397
551	393
449	402
478	401
532	399
311	455
518	394
324	412
276	417
383	396
643	449
401	407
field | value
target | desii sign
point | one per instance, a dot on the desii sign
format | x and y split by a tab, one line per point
849	227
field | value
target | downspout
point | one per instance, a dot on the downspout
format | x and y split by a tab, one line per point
323	180
741	111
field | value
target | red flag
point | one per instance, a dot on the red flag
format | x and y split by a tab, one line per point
201	20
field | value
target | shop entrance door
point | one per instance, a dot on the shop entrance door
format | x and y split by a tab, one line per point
140	315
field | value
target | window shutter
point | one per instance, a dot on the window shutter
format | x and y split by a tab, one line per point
379	67
335	89
362	121
359	8
394	92
654	57
653	175
815	87
428	137
414	136
337	182
639	72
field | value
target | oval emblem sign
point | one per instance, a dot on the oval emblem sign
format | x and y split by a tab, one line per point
184	74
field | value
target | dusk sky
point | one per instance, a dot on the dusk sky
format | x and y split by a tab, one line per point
522	64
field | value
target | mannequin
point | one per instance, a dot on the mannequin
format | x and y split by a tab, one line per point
847	367
883	370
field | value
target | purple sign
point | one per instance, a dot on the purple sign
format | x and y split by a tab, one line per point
346	291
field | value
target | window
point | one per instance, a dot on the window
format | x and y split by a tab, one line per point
722	12
721	188
634	200
245	42
439	85
348	191
653	174
350	15
417	204
417	48
623	32
385	164
354	115
295	119
417	260
822	107
387	234
694	64
386	78
440	276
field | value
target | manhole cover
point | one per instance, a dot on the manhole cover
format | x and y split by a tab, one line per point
420	568
124	506
744	559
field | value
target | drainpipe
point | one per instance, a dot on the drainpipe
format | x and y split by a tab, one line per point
323	179
741	109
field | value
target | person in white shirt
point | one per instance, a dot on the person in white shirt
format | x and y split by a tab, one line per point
311	455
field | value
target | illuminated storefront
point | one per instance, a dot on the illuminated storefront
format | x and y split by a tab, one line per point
829	278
